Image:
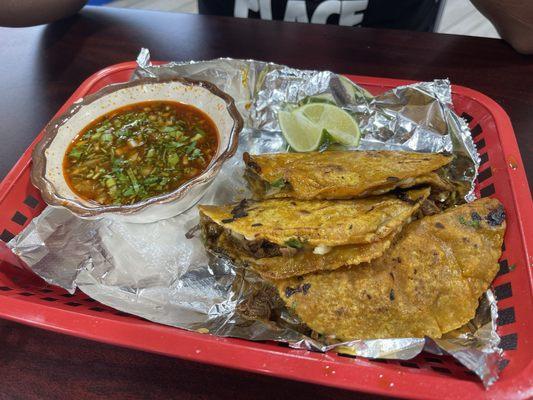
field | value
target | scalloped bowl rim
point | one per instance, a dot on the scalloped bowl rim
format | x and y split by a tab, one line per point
49	192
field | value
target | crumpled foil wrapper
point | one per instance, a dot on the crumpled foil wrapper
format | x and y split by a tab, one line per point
154	271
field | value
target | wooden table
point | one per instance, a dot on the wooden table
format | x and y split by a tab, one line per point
41	66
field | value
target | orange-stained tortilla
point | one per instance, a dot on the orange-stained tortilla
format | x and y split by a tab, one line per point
427	284
282	238
342	174
318	222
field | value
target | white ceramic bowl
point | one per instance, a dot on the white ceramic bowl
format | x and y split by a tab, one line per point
47	170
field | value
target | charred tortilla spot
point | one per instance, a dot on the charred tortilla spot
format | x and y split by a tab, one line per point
289	291
439	225
306	287
392	179
258	224
391	295
496	217
227	220
239	211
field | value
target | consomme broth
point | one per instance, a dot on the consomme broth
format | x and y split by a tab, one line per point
140	151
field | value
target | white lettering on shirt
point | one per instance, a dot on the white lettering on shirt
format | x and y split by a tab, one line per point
325	10
242	7
351	12
296	10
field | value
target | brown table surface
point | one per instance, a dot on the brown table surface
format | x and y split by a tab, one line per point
41	66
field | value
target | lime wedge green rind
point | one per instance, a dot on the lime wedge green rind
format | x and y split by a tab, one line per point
304	127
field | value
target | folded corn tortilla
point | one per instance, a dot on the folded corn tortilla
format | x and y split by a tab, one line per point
428	283
281	238
342	174
317	222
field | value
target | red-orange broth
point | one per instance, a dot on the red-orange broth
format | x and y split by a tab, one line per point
140	151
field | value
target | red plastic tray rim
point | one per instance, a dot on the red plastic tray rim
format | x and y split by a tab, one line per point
270	359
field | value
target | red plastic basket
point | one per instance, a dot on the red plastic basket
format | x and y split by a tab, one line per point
27	299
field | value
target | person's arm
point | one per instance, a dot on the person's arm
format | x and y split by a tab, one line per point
35	12
513	19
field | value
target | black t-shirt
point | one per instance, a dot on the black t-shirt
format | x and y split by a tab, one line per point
418	15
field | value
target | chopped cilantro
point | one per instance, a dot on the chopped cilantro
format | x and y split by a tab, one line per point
473	223
106	137
151	180
278	183
190	148
196	153
294	243
138	152
173	159
75	152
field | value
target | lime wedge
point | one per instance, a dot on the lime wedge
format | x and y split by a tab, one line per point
339	124
301	134
304	127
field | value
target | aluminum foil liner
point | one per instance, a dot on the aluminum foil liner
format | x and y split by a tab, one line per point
154	271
